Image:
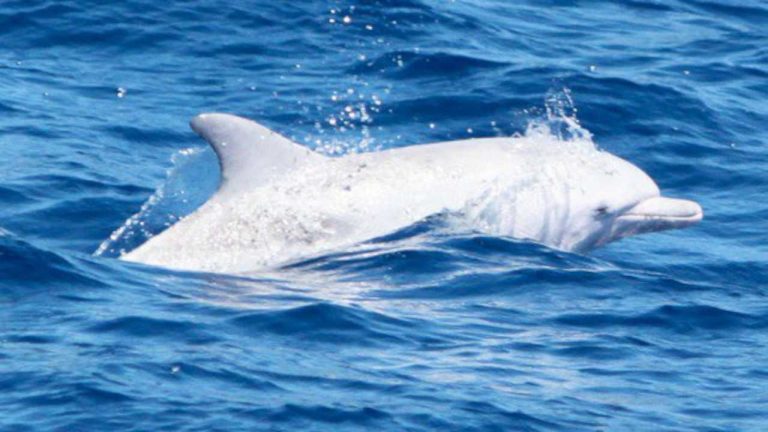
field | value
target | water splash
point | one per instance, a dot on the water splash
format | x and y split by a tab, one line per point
189	182
353	112
559	120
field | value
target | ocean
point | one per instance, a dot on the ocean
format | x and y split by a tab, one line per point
425	328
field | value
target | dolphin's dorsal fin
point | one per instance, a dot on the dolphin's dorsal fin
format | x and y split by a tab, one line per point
249	153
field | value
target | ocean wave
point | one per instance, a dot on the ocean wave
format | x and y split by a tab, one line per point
682	319
434	326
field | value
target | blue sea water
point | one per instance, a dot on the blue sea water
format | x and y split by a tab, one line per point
422	329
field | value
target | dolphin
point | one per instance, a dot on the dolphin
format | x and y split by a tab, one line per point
279	201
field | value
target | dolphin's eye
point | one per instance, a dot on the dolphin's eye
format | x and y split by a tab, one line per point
601	211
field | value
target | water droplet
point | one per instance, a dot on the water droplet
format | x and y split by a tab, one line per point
121	92
347	19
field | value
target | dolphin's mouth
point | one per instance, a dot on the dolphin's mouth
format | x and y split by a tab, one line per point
660	213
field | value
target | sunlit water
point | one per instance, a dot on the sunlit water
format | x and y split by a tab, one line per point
428	328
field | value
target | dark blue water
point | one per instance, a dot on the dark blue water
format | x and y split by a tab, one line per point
420	330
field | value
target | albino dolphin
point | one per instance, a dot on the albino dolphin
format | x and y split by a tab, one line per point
279	201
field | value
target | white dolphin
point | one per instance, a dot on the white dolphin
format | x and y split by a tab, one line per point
279	201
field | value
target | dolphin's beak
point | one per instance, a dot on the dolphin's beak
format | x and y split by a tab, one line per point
658	214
